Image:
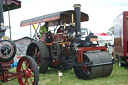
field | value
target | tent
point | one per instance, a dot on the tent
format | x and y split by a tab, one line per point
101	34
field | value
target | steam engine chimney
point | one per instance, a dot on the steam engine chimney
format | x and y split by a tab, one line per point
1	13
1	20
77	19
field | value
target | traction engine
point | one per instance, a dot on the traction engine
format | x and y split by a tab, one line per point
66	50
26	72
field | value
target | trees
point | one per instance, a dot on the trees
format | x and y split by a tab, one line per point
110	31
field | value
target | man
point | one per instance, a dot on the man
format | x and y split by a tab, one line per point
44	29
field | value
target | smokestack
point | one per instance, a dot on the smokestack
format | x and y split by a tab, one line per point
77	19
2	31
1	13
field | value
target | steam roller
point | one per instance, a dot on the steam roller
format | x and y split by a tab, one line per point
96	69
69	46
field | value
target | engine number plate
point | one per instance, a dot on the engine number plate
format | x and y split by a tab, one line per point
93	39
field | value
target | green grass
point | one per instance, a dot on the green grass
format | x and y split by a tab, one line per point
119	76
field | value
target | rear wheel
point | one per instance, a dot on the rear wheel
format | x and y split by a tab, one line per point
27	68
39	52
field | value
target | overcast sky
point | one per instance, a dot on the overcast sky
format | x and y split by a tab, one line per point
101	13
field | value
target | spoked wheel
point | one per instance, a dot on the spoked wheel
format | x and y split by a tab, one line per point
39	52
86	72
28	71
36	55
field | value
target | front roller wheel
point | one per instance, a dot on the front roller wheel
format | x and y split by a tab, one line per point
88	72
27	68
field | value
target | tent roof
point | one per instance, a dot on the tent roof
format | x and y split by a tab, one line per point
101	34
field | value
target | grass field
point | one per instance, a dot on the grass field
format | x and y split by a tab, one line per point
119	76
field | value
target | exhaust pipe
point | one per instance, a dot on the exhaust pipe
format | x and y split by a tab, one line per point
77	19
2	31
1	13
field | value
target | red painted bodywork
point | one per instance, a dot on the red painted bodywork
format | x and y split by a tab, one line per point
59	37
83	49
4	74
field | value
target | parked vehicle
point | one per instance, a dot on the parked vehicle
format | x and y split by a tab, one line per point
62	48
26	72
121	38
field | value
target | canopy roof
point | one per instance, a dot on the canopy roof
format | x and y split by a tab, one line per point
12	4
63	17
